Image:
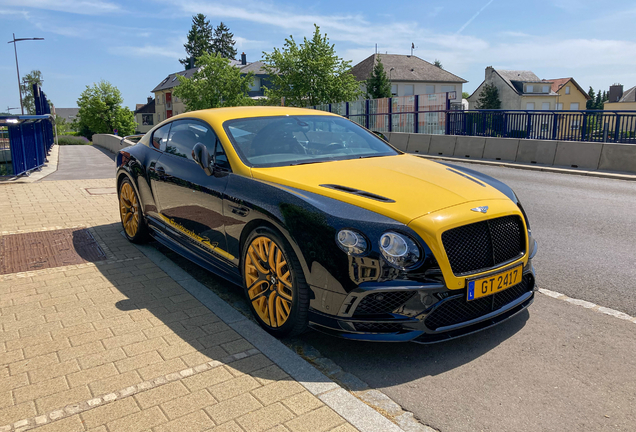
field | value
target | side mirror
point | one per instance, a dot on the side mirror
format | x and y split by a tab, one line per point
380	135
202	157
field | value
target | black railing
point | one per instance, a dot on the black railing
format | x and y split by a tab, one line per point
596	126
433	114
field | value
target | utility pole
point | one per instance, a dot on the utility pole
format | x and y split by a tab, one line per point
16	64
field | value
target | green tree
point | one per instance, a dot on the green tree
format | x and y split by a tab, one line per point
438	64
465	95
199	40
310	73
598	101
488	98
590	104
33	77
378	84
100	111
215	84
62	126
223	42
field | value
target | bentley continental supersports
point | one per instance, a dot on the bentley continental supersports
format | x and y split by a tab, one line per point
326	225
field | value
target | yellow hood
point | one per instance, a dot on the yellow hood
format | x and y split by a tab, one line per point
416	185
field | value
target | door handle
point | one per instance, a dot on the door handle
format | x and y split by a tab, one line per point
239	210
161	172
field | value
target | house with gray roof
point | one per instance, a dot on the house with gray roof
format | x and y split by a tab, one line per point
410	75
518	90
619	100
166	105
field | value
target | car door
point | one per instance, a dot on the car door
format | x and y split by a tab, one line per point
189	200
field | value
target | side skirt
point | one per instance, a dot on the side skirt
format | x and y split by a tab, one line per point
159	232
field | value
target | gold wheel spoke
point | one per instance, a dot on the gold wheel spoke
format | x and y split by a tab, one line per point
272	310
255	261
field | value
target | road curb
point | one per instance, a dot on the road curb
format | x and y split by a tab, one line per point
544	168
353	410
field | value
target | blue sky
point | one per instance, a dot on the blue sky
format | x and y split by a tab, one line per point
136	44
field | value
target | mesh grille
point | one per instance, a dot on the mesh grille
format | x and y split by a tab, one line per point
383	302
378	327
484	244
458	310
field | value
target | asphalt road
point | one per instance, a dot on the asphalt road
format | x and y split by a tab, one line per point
83	162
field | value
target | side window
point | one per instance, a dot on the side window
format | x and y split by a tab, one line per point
221	157
185	134
160	136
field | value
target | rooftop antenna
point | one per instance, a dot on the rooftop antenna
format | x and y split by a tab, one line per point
412	48
376	48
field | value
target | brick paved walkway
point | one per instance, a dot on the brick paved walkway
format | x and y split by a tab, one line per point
118	345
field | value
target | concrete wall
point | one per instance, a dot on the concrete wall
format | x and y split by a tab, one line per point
113	143
568	154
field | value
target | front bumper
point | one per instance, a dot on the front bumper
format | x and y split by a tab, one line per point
432	313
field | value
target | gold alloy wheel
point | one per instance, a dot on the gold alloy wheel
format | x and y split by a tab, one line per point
129	208
269	281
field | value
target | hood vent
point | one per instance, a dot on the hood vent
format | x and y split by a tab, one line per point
358	192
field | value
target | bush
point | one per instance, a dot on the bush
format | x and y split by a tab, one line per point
72	140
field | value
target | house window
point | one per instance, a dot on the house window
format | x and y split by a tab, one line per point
529	89
430	89
567	89
256	84
530	105
559	106
408	90
545	106
546	89
394	89
574	106
448	88
146	120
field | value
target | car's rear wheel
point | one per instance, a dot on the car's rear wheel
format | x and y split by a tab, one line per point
274	283
132	218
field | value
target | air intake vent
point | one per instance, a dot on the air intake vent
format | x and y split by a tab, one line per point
358	192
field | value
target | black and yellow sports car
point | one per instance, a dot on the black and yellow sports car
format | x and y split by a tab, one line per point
326	225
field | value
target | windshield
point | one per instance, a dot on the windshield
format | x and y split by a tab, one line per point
295	140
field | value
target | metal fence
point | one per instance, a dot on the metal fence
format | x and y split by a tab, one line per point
597	126
26	140
432	114
414	114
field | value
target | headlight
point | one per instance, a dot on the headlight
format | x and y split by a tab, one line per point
399	250
353	243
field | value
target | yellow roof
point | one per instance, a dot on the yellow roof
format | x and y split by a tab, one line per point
216	116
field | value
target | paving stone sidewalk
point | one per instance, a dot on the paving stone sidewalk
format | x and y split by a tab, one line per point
118	344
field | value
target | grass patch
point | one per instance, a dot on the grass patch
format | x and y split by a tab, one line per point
72	140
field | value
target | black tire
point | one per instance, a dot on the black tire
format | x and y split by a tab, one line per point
296	322
140	234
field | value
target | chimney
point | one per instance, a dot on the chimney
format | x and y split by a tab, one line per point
149	99
243	59
615	93
489	71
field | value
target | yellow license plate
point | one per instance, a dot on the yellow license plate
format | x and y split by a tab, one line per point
495	283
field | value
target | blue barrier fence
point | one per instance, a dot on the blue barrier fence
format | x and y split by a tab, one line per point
26	140
432	114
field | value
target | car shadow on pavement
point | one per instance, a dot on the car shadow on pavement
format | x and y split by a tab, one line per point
164	327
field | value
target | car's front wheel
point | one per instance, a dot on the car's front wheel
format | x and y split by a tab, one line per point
274	283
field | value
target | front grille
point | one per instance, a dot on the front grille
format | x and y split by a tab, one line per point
382	302
378	327
459	310
483	245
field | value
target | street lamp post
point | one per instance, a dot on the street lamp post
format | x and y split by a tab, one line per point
16	64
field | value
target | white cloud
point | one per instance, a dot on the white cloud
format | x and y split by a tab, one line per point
145	51
82	7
